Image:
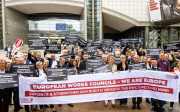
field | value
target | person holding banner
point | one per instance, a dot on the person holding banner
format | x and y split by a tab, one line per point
16	93
4	93
136	60
163	63
40	72
155	68
176	70
61	65
123	66
114	69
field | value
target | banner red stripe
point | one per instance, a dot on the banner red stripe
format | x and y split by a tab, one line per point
98	90
99	83
154	9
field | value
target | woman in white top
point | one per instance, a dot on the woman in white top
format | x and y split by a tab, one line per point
176	70
114	69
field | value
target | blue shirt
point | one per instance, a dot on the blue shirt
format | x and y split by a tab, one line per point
59	66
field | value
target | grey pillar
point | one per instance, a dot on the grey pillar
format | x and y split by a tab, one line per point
170	34
146	38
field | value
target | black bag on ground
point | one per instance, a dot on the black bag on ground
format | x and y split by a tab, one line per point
157	106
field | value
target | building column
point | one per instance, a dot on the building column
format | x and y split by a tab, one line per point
85	20
146	38
3	24
170	34
101	21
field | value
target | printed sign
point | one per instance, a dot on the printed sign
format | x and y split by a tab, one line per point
71	71
171	47
82	42
56	74
117	44
72	40
153	53
53	48
17	46
94	63
137	66
90	50
37	43
124	41
97	44
103	69
8	80
24	69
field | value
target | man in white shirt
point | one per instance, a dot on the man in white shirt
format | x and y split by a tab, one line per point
26	61
52	61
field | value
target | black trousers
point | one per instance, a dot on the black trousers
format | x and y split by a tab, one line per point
26	108
172	103
16	100
41	106
138	100
10	95
4	94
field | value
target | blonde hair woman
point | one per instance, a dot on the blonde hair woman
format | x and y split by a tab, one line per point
114	69
123	66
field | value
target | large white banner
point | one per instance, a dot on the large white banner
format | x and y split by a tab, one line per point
99	87
154	10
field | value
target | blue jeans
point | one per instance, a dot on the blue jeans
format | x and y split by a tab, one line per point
152	102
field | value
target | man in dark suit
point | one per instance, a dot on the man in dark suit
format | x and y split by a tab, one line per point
52	61
83	64
4	93
35	60
155	68
63	65
16	91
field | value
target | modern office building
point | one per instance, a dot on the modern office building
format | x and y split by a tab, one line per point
90	19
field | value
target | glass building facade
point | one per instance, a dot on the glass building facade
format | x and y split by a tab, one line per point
89	20
158	36
96	19
93	19
53	25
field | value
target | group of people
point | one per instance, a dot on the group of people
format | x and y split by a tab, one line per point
78	59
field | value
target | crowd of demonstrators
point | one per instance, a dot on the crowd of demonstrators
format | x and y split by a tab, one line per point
77	59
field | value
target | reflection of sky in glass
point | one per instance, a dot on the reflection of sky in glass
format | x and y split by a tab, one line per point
50	25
